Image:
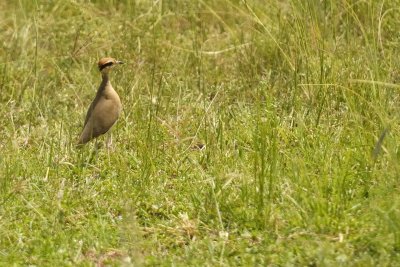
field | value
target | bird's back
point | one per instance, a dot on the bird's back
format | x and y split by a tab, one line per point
102	114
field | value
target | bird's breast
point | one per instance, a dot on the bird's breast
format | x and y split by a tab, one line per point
111	95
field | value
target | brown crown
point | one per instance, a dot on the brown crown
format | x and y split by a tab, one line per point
106	61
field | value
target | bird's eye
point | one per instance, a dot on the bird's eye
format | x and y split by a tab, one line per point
105	65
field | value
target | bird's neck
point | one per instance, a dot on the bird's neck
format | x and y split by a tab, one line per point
105	81
105	78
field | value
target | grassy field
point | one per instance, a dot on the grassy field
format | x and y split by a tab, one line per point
254	133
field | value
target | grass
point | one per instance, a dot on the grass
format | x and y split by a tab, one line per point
252	133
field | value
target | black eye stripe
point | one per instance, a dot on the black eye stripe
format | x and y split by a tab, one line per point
105	65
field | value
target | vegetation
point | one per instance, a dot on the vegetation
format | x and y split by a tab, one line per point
253	133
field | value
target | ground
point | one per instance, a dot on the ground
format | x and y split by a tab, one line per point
253	133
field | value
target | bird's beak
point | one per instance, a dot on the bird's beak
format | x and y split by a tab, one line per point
120	62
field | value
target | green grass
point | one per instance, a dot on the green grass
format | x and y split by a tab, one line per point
249	135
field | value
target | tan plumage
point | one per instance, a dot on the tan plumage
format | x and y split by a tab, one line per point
105	108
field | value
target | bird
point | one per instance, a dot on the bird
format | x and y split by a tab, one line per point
104	110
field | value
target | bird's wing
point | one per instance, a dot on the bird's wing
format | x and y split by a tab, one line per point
90	110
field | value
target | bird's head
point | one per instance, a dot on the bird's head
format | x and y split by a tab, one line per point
107	63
